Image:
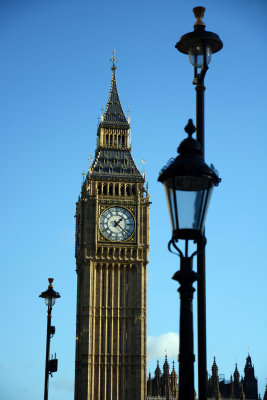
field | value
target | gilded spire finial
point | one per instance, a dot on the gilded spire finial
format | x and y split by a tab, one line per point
83	174
90	160
113	60
143	162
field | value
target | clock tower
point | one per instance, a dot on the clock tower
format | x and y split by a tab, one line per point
112	244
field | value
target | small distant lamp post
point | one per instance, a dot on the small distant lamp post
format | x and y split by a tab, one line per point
199	45
50	297
188	182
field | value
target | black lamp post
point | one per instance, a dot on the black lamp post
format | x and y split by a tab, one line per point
188	183
50	297
200	45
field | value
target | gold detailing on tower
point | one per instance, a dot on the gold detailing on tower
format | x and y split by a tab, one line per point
90	160
143	162
83	174
113	60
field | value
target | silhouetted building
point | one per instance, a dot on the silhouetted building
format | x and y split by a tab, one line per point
165	385
250	382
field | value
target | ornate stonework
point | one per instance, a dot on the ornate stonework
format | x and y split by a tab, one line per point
112	244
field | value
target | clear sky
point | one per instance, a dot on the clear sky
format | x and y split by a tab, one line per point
55	77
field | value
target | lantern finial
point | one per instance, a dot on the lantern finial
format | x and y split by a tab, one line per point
199	14
190	128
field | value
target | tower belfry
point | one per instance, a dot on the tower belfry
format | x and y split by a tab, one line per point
112	244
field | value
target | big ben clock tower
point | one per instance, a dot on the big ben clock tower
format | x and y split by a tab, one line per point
112	244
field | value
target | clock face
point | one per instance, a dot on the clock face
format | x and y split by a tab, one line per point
117	224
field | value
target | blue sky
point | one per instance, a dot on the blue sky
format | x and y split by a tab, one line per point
55	77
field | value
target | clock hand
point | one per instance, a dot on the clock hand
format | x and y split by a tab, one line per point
121	228
117	222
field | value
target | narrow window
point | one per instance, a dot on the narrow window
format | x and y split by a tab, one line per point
108	339
109	288
121	282
103	288
102	336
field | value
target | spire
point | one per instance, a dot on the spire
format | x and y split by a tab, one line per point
113	60
166	366
237	386
114	115
149	386
215	381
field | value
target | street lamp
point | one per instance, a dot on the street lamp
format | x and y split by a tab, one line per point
200	45
50	297
188	182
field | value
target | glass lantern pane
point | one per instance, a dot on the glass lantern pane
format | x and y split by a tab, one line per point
50	301
192	208
205	208
171	203
187	212
196	55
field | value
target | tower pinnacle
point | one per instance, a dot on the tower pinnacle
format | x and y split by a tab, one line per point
113	60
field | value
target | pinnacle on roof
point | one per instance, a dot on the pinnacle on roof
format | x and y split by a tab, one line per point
114	114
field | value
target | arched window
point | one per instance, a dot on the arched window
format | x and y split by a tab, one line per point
99	188
110	189
104	189
128	190
116	190
133	190
122	190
